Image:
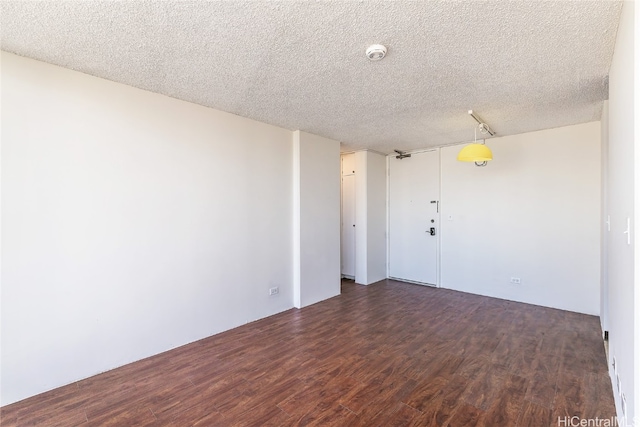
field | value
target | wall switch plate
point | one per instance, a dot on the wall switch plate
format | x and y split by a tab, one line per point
515	280
274	291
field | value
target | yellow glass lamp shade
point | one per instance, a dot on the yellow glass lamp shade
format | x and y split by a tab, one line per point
475	153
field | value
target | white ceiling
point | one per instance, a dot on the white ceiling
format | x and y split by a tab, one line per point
520	65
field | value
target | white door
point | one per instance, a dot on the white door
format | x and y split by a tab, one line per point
348	246
414	201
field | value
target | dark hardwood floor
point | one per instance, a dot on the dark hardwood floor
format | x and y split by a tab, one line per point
390	354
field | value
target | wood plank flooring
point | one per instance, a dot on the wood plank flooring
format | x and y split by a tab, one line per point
388	354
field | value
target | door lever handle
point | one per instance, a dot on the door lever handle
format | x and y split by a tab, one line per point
628	231
431	231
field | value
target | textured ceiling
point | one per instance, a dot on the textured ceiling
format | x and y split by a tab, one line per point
520	65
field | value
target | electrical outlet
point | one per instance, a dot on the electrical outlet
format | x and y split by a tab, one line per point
515	280
274	291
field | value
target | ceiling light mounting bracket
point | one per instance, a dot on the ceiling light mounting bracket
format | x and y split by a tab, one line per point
484	128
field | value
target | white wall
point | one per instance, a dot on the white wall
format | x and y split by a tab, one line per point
316	218
362	213
377	217
620	207
133	223
605	220
635	400
371	205
532	213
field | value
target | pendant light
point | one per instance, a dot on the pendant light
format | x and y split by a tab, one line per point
477	152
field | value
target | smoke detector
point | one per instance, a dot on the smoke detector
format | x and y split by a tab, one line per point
376	52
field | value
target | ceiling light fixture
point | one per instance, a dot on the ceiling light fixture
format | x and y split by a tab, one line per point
478	153
376	52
